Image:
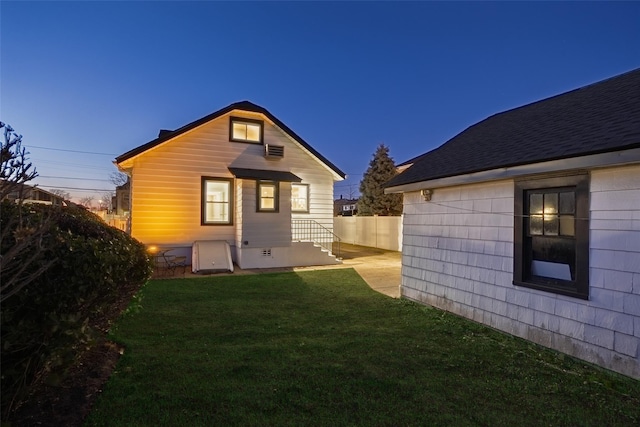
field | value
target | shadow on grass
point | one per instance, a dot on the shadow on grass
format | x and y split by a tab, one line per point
322	348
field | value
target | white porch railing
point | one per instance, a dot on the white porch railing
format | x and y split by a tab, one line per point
311	231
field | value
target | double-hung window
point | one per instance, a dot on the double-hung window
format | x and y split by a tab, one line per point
217	201
267	196
246	130
299	197
551	235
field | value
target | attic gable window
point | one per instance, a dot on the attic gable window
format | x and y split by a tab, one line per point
246	130
551	235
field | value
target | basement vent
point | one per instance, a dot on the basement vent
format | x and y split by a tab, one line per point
266	252
274	151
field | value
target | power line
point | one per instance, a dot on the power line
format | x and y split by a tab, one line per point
68	177
74	151
78	189
477	211
37	161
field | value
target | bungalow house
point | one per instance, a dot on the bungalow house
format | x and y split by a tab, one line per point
30	194
120	201
529	222
345	207
240	176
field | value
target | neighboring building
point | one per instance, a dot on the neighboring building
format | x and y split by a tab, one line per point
529	222
30	194
408	163
120	202
238	175
345	207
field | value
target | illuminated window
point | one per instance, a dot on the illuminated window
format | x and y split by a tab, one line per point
245	130
267	196
217	201
299	197
552	212
551	239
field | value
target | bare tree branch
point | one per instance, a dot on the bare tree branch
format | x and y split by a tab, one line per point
107	200
21	261
15	169
61	193
87	201
118	178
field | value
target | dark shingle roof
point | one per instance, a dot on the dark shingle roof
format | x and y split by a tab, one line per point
601	117
166	135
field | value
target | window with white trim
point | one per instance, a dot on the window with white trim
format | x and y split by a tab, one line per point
217	201
299	197
551	235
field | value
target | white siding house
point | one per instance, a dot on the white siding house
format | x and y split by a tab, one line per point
238	175
529	222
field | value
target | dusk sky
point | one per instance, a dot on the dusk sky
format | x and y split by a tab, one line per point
84	82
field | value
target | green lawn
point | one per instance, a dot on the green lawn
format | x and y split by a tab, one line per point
321	348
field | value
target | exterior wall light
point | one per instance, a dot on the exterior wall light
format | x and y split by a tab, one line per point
427	194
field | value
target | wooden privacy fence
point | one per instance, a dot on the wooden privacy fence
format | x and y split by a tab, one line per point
384	232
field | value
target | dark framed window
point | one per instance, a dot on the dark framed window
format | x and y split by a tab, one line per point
246	130
551	235
299	197
217	201
268	196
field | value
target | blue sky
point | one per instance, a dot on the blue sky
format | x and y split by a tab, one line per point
104	77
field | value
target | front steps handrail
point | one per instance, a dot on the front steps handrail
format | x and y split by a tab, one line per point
310	230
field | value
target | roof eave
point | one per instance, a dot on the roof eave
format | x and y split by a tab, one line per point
306	146
614	158
180	131
241	106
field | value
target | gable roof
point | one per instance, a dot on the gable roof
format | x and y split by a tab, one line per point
600	118
166	135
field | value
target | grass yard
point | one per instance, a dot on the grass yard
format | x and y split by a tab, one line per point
321	348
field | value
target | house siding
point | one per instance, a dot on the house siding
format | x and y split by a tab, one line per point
166	183
265	229
615	263
239	217
458	256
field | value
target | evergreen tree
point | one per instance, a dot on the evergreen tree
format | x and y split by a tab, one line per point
373	201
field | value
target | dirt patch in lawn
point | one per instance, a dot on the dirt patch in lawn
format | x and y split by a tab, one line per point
70	402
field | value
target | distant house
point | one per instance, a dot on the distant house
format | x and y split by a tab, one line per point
237	175
31	194
529	221
345	207
120	202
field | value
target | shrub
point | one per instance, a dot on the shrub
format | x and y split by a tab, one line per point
48	321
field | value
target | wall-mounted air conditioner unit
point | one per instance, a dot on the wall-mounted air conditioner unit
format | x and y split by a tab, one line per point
273	151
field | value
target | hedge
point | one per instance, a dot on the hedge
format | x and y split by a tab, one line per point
46	324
